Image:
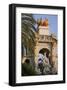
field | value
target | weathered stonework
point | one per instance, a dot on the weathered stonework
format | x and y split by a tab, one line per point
45	40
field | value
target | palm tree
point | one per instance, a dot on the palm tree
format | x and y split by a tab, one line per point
28	34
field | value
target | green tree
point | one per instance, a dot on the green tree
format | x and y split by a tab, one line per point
28	33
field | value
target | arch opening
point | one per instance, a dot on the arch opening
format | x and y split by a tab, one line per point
44	50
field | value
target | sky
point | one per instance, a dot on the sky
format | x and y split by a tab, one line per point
53	21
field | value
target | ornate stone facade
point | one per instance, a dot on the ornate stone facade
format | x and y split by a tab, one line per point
44	40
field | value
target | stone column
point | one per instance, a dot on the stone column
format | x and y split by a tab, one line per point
54	57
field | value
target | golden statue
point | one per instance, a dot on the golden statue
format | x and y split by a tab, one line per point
41	22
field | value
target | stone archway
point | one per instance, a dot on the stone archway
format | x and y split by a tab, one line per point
43	50
47	53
